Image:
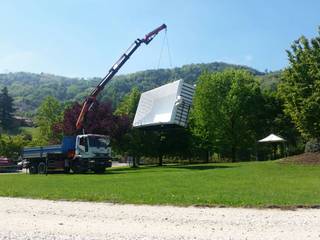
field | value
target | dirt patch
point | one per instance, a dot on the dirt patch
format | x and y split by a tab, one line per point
305	158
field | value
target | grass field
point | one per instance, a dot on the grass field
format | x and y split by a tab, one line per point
251	184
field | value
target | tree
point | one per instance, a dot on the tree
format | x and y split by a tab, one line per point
11	146
48	115
129	104
300	86
6	109
274	120
99	120
226	113
133	141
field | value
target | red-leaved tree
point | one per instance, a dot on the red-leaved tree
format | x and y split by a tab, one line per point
99	120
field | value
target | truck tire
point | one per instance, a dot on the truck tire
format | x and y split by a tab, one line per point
42	169
99	170
76	168
33	169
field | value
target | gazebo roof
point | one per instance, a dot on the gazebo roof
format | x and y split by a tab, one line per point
272	138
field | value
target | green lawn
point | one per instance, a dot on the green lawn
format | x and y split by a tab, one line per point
233	184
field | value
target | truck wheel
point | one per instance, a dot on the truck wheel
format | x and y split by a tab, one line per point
42	168
76	168
33	169
99	170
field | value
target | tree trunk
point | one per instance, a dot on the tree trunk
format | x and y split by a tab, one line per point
134	164
207	156
160	159
233	153
161	148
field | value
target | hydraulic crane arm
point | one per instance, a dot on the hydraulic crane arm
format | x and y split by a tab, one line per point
87	104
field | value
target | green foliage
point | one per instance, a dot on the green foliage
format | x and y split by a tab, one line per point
300	86
226	112
133	142
29	90
30	131
234	184
10	146
313	146
129	104
49	114
270	81
276	121
33	136
6	109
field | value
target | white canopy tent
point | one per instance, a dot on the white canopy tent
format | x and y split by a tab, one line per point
272	138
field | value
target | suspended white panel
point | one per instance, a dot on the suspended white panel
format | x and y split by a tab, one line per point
165	105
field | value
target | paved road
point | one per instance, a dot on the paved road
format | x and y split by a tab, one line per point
42	219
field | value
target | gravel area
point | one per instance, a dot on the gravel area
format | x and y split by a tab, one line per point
43	219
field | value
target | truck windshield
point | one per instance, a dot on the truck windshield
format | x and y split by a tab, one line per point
98	142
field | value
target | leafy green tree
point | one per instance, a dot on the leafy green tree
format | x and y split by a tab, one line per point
132	142
10	146
300	86
48	115
6	109
129	104
274	120
177	143
226	112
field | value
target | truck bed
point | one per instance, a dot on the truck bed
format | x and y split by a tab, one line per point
41	152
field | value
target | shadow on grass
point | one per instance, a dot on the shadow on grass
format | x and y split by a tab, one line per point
124	170
200	167
172	168
147	168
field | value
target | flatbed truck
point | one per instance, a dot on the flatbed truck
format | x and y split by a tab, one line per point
80	154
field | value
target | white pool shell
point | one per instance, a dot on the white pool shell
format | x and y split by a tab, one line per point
165	105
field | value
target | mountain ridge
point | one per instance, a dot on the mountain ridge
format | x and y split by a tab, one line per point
29	89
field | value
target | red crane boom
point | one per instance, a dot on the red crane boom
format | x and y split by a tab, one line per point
90	100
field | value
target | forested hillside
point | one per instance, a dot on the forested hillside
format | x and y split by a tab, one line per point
29	89
269	81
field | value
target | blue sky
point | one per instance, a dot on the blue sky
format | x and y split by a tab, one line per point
84	38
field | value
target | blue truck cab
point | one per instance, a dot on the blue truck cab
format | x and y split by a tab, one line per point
79	154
